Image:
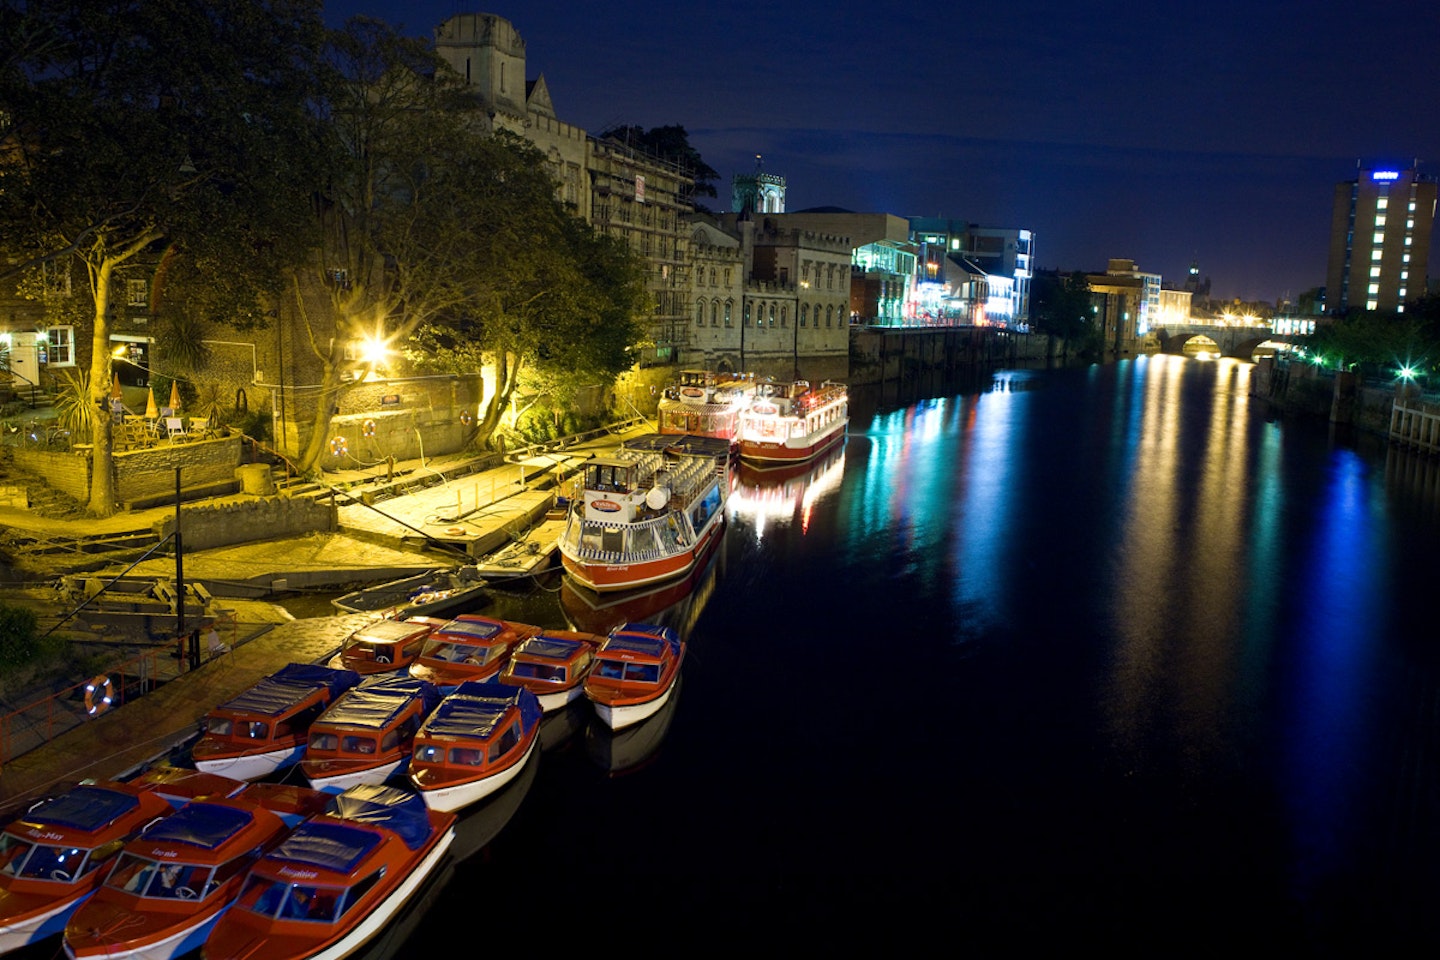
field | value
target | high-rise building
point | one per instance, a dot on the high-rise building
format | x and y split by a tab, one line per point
1380	239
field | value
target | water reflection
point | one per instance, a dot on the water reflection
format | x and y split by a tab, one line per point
634	747
787	495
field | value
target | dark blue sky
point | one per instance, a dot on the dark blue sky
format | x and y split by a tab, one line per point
1161	132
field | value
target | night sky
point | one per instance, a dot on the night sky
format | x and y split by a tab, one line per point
1161	132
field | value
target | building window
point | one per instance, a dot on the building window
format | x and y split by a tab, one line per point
712	276
1379	220
772	314
60	351
804	313
1374	271
137	293
782	316
1374	289
1379	238
727	276
1375	254
700	313
747	315
1372	304
829	312
728	304
714	313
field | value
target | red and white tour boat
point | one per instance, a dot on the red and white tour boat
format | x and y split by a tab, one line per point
634	673
647	512
703	403
469	647
475	742
55	854
793	422
367	735
337	880
265	728
553	666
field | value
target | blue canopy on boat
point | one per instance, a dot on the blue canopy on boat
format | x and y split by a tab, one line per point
376	701
201	824
651	629
87	807
288	686
474	629
553	648
402	811
326	844
476	708
646	638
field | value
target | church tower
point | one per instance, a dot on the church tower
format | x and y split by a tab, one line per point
758	192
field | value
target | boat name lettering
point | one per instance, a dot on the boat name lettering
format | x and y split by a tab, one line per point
606	506
765	409
299	874
168	854
692	392
45	835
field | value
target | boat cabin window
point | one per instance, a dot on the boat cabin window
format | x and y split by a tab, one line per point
287	901
628	672
165	881
467	756
40	861
552	673
324	741
506	743
358	890
252	730
356	743
609	477
219	726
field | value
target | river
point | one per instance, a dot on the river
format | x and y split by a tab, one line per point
1105	656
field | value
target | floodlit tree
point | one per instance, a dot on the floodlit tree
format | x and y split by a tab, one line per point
153	128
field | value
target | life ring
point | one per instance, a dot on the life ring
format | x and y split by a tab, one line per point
368	429
382	658
99	695
467	418
338	446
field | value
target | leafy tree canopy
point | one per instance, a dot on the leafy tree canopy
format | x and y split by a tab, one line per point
1060	305
670	143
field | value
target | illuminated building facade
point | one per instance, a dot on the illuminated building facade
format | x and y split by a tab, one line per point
1115	303
882	260
1380	239
1004	254
1149	307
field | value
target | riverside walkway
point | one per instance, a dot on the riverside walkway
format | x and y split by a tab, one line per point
420	529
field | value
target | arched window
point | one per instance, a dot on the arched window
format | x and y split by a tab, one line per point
727	276
728	305
829	312
772	314
804	313
714	313
782	316
712	276
747	315
699	313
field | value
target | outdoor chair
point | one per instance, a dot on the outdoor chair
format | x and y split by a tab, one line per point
175	429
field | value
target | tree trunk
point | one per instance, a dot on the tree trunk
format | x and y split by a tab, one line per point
318	446
102	471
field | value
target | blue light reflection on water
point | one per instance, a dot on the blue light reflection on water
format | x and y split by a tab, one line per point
1073	657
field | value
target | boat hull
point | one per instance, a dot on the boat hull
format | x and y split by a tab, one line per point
460	795
550	702
611	577
167	947
785	453
340	782
620	716
38	926
255	766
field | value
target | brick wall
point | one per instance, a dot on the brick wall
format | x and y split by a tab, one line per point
224	524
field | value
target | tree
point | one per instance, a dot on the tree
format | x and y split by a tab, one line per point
1061	304
153	127
1375	342
671	143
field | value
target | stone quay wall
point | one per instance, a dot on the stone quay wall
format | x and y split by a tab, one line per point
226	524
878	354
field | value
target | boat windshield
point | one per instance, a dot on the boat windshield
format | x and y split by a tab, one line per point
159	880
554	673
279	900
241	729
608	669
449	652
39	861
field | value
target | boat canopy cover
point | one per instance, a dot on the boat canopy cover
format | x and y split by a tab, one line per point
388	631
326	844
551	648
649	629
477	707
634	643
474	629
376	701
87	807
289	686
402	811
201	824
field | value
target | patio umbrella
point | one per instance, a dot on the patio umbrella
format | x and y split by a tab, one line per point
115	393
151	410
175	395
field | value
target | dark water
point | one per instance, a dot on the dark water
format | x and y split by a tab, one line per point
1090	657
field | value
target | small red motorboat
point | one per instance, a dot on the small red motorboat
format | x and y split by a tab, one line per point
635	672
469	647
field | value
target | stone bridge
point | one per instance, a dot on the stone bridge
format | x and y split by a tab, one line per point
1231	340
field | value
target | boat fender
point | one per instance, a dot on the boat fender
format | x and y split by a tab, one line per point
99	695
